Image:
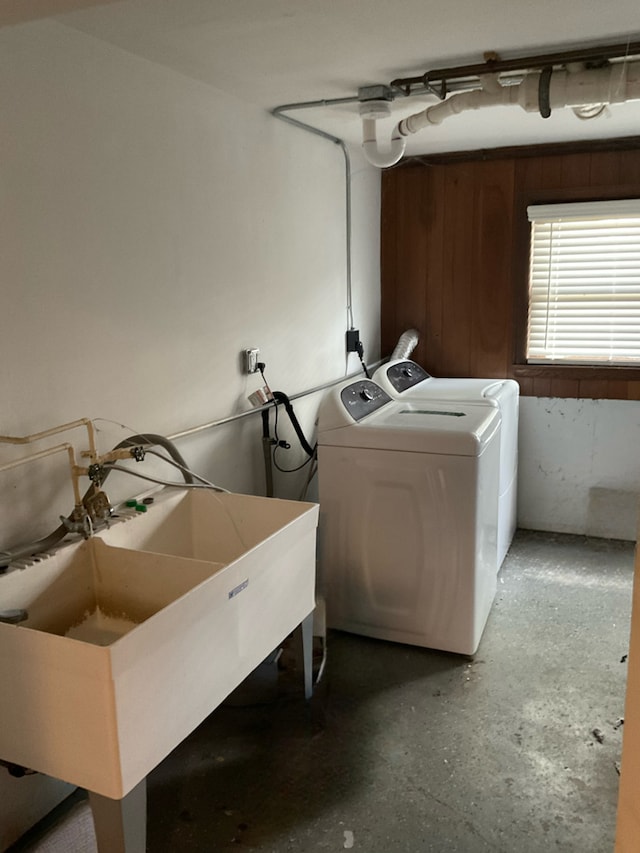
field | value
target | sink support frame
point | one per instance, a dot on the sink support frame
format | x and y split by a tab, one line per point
121	825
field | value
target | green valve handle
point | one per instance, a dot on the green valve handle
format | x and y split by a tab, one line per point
132	503
141	507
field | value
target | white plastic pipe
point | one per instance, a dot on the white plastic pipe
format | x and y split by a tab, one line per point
614	84
381	159
464	101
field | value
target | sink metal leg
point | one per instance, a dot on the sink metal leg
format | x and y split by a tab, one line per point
307	654
121	825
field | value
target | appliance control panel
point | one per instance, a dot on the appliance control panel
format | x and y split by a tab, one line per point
405	375
362	398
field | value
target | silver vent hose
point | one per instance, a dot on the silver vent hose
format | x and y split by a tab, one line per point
407	342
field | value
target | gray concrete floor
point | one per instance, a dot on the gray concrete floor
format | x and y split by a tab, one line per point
405	750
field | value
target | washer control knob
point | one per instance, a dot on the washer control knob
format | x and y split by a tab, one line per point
407	371
366	394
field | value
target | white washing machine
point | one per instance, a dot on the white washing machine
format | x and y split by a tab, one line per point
408	516
405	380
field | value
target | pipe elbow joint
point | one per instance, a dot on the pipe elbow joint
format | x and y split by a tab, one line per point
380	159
377	158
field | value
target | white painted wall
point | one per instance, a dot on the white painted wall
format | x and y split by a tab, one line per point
153	227
579	466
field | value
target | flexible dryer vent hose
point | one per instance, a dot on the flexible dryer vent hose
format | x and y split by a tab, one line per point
407	342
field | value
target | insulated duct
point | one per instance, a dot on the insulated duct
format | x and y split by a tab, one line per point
407	342
585	90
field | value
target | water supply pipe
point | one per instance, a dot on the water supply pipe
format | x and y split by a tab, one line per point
7	557
50	451
539	91
79	516
612	85
267	444
46	433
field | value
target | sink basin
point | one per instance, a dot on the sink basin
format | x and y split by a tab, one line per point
137	634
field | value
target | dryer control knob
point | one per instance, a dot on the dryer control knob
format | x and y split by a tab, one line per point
366	394
407	371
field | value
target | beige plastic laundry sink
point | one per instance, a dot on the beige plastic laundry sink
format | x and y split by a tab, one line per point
137	634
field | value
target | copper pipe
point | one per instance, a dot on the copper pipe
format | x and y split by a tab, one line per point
41	454
36	436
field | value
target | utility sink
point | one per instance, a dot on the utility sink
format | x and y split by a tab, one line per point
137	634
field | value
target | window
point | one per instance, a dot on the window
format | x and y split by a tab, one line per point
584	283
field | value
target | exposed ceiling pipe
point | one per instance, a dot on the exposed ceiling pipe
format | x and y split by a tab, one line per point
370	145
462	76
582	89
611	85
370	112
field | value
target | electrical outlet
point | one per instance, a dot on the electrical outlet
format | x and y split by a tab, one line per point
251	357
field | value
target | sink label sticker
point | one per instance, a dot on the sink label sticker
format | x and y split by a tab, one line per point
239	588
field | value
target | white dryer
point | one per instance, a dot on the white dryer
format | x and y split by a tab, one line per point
405	380
408	516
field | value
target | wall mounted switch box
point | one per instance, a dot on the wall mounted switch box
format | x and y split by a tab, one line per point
353	339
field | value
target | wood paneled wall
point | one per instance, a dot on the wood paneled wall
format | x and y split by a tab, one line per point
454	257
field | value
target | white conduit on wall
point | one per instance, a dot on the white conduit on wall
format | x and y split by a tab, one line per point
576	88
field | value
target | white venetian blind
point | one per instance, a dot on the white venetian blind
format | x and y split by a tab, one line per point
584	283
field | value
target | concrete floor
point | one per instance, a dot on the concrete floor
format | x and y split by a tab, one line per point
406	750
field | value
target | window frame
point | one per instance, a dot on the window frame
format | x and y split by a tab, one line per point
522	248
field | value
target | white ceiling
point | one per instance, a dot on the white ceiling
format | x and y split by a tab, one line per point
271	52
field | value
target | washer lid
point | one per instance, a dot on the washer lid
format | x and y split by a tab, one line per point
455	429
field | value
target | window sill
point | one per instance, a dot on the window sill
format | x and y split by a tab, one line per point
568	371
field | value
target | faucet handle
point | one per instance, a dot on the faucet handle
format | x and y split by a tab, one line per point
98	507
78	525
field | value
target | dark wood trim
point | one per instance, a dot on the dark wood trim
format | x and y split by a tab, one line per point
455	258
550	149
521	242
567	371
567	195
